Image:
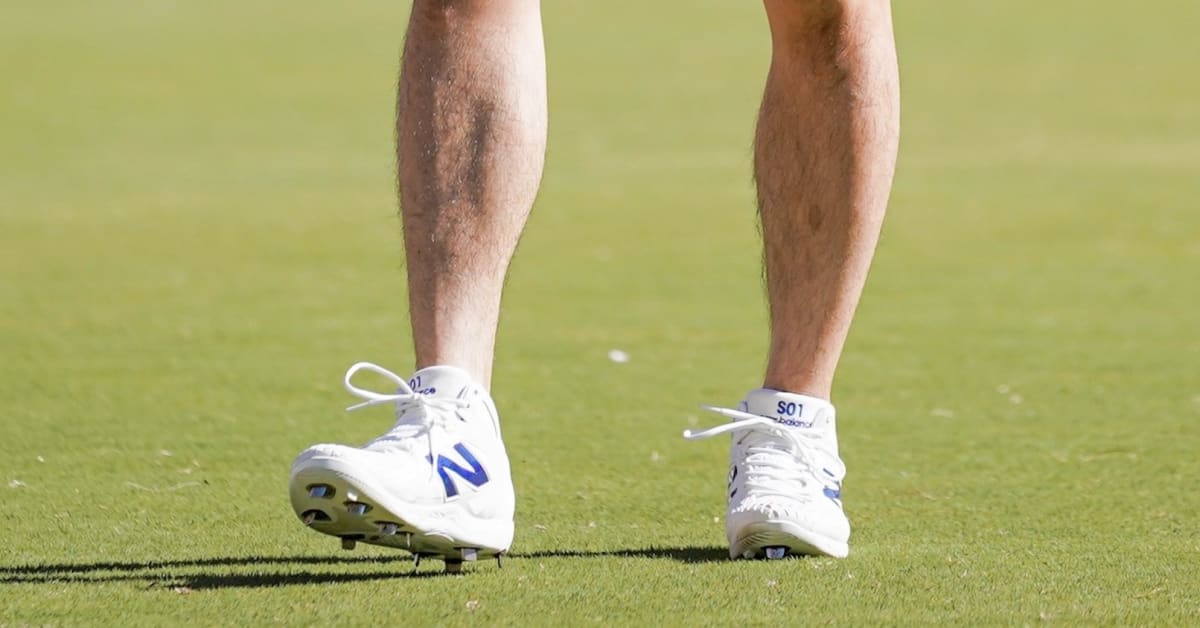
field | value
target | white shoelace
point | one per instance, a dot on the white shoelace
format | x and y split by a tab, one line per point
777	458
416	414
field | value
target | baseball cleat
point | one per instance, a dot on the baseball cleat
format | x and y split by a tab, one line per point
785	477
436	484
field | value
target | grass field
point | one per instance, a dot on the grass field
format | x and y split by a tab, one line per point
197	236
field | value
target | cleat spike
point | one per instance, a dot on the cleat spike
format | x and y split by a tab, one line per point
348	544
320	491
499	563
388	528
357	508
453	566
470	553
416	561
310	517
775	553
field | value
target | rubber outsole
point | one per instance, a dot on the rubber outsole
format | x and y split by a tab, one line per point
754	539
331	503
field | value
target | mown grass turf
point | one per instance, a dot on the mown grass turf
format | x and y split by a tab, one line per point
197	236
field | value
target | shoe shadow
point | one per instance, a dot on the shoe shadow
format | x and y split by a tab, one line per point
214	573
680	554
184	576
228	561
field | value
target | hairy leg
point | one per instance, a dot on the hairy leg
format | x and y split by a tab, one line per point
825	152
470	143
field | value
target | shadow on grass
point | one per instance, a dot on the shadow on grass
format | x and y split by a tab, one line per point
680	554
277	571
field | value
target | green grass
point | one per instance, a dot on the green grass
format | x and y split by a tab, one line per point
197	236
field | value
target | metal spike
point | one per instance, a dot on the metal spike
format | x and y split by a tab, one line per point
357	508
775	553
416	561
388	528
470	553
499	563
453	566
310	517
322	491
348	544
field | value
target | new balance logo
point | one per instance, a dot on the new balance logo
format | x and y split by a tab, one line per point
833	492
793	422
475	475
789	413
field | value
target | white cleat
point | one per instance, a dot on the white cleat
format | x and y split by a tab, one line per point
437	481
785	477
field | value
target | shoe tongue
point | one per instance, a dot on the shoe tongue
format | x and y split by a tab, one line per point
799	412
441	381
802	413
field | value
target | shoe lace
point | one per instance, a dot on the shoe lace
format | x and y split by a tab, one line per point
778	460
416	414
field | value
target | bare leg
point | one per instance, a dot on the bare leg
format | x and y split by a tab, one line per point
471	140
825	152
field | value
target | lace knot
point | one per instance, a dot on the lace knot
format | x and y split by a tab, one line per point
417	414
405	397
777	459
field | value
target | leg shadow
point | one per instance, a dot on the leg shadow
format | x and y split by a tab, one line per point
711	554
278	571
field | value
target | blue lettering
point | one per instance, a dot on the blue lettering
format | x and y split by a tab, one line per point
788	408
415	385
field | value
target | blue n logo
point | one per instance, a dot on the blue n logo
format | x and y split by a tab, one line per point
476	474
